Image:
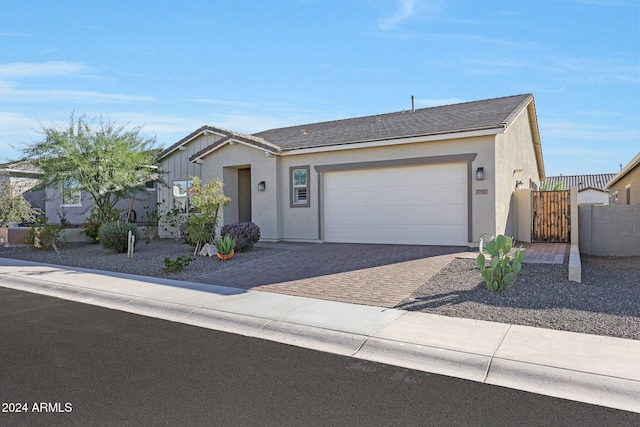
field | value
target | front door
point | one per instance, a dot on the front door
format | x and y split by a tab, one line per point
244	195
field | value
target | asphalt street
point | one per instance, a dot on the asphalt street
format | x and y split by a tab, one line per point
66	363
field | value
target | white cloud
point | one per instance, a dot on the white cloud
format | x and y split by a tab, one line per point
10	93
585	131
54	68
404	12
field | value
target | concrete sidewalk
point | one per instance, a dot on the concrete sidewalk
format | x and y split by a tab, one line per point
586	368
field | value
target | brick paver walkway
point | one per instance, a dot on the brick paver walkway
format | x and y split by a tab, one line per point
378	275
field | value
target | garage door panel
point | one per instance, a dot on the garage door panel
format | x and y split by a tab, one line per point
393	215
440	235
412	205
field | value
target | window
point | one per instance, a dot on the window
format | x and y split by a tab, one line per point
181	191
299	180
71	195
628	191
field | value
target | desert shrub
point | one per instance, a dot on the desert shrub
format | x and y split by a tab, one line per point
114	235
197	230
43	236
246	234
176	265
91	225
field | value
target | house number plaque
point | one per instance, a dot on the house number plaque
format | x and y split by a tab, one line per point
482	192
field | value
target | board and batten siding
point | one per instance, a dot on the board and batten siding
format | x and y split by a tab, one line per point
176	166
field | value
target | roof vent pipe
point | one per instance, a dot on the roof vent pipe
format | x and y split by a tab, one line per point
413	107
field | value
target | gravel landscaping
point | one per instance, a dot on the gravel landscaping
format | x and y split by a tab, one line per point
607	301
147	259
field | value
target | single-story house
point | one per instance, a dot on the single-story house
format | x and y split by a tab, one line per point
24	177
443	175
624	188
590	187
67	202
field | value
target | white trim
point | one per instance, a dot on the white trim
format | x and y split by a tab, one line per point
389	142
182	147
230	142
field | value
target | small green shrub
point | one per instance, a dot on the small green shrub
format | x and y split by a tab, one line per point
114	235
176	265
246	234
225	245
501	275
91	225
44	236
197	230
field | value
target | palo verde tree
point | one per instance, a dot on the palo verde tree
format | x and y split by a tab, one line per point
105	160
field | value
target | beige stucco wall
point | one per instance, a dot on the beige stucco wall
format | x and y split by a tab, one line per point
271	208
222	164
515	160
633	179
303	223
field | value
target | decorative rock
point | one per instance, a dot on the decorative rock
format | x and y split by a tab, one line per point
207	250
211	250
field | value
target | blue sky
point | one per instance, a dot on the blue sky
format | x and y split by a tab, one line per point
172	67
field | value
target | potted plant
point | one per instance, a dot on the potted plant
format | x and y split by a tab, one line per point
225	247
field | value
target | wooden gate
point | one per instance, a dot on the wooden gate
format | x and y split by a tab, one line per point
551	216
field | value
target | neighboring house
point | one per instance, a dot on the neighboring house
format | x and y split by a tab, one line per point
624	188
68	201
590	187
24	177
75	206
442	175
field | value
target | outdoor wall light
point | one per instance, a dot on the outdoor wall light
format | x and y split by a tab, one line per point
261	186
480	174
519	185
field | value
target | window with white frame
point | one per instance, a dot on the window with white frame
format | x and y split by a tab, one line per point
71	194
182	192
299	180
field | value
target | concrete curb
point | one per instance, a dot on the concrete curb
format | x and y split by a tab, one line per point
587	368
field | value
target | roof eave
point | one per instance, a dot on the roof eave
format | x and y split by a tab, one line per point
199	157
394	141
537	145
632	164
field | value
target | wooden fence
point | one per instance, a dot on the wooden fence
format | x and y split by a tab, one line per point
551	216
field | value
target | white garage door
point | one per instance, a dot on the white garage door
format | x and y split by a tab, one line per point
424	205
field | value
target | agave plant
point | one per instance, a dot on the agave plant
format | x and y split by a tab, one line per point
225	245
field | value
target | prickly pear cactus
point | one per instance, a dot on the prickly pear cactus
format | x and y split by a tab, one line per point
502	272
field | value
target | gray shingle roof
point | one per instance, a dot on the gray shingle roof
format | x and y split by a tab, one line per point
583	182
468	116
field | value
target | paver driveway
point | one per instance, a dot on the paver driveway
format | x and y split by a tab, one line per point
380	275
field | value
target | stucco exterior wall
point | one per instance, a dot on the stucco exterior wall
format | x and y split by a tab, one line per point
630	179
593	196
506	159
222	164
304	223
609	230
144	204
515	160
